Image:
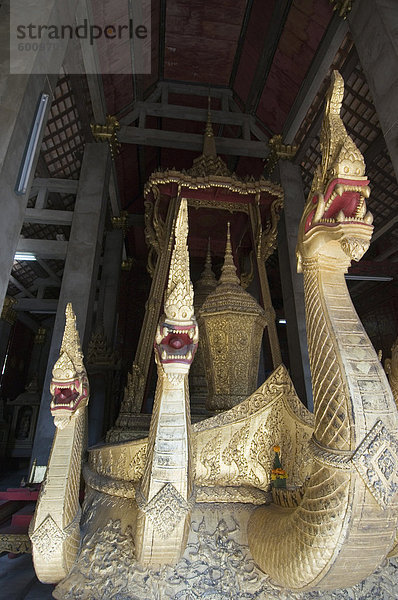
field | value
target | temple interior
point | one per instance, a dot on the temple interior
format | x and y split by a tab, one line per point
154	173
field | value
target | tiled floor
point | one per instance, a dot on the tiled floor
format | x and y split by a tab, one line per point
17	577
19	582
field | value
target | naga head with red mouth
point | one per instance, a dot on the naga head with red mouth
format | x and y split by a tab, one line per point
69	389
69	385
176	345
336	223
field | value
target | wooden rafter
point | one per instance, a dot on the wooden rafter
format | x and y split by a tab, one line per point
271	41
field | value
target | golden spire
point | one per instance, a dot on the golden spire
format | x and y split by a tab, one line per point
228	272
70	360
208	163
178	303
208	277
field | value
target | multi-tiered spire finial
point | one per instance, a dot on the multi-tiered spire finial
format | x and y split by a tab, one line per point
207	277
228	271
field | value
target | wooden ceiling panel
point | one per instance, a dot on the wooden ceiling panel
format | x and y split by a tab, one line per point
305	26
114	54
118	90
201	39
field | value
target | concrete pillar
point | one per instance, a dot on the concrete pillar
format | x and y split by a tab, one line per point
374	29
109	286
101	376
7	321
80	274
19	95
292	282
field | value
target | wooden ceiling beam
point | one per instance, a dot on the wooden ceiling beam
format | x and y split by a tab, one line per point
43	248
193	89
44	305
48	216
162	39
241	41
190	141
79	98
274	32
188	113
21	287
54	184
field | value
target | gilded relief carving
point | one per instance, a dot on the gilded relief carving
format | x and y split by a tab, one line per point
216	564
54	529
351	489
190	512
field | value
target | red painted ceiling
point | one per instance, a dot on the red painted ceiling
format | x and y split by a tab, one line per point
201	40
213	44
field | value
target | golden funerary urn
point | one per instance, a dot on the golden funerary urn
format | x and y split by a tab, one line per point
233	324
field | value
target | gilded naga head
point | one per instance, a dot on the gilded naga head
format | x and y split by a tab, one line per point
177	334
69	385
336	223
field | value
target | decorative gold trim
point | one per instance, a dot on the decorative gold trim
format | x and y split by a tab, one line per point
267	238
16	543
127	264
229	206
98	352
247	278
121	222
342	7
278	150
234	184
241	494
107	133
40	336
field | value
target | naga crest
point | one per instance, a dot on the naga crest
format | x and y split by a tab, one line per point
336	222
177	333
69	385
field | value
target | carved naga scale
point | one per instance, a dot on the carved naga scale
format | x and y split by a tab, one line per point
191	511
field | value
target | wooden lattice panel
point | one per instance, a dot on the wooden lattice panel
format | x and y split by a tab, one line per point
63	143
